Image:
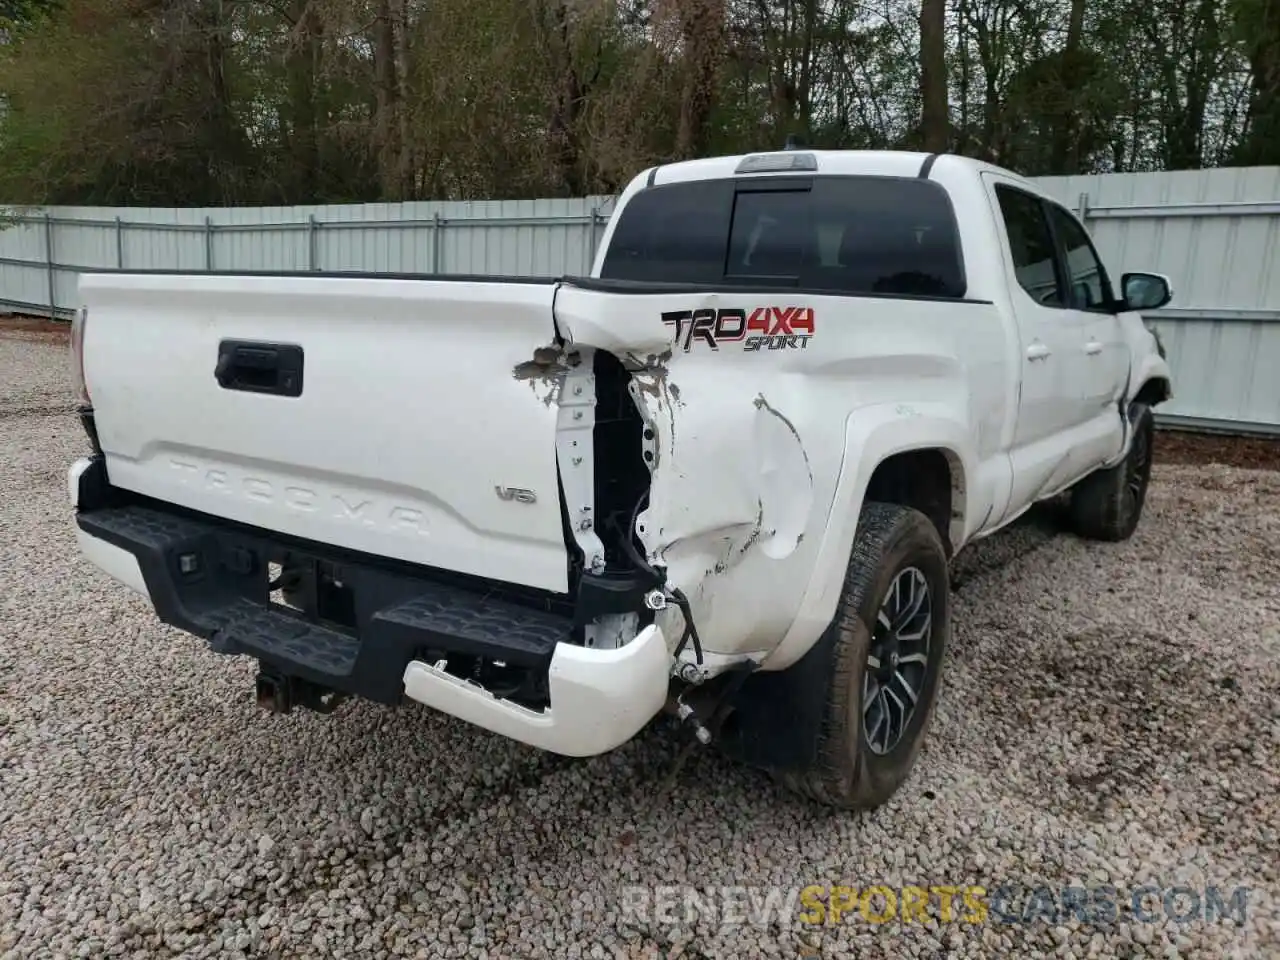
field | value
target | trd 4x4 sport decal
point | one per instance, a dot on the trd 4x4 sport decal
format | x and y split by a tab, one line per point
766	328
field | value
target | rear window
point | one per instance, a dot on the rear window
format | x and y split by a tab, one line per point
843	234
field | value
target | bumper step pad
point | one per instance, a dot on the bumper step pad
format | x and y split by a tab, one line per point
245	625
398	617
480	626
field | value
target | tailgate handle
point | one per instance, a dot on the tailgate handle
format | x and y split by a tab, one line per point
260	367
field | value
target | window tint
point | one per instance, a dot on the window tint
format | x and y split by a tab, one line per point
770	238
843	234
1031	244
674	233
1089	287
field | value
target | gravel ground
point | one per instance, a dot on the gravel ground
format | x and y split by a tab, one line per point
1110	716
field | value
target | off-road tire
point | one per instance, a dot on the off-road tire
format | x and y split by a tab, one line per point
1107	504
846	773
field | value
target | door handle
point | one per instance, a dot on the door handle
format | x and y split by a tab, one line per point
1037	351
1093	347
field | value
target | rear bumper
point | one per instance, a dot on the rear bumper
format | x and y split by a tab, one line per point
599	698
114	561
404	633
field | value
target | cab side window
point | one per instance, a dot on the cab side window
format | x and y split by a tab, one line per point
1089	287
1035	262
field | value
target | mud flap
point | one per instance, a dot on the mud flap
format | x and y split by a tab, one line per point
777	716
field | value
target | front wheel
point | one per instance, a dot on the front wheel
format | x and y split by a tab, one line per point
892	627
1107	504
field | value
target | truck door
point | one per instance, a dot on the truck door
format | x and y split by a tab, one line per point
1051	400
1105	352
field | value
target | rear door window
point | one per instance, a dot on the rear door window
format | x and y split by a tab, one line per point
1035	261
858	235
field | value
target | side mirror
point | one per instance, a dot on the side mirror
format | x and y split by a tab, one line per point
1145	291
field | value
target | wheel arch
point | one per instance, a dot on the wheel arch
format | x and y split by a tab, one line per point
1151	381
929	478
883	444
1154	390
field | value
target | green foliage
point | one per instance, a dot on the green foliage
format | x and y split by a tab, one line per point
21	14
190	102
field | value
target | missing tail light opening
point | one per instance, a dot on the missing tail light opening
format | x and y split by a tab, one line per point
622	475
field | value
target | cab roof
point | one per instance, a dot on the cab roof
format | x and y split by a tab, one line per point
881	163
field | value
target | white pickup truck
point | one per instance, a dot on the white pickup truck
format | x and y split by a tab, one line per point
724	474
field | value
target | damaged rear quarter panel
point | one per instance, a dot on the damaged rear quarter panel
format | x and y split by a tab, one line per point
751	443
734	490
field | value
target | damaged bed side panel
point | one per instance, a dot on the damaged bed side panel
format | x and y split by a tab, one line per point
748	396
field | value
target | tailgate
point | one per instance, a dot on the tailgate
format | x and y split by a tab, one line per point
408	436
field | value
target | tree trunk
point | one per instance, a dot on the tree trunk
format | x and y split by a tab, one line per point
387	86
934	120
702	28
1065	142
1261	144
963	22
404	154
302	68
806	66
228	148
990	146
1185	115
566	107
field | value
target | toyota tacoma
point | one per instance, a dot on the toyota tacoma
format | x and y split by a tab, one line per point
723	475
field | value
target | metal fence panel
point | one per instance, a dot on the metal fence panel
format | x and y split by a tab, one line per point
1216	233
22	251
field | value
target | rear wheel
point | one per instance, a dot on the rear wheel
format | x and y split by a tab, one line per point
1107	504
892	627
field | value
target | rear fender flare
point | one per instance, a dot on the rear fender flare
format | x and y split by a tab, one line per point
872	435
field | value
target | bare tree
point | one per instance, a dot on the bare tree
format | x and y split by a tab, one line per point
702	29
935	121
296	101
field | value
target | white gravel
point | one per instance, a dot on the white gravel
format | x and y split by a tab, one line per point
1110	715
